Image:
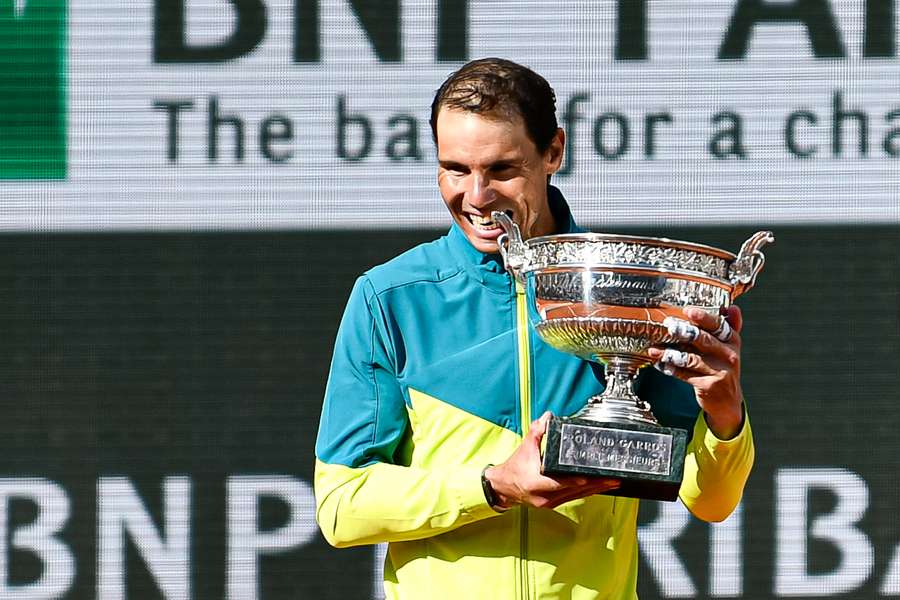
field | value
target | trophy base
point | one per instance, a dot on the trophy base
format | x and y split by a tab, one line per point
647	459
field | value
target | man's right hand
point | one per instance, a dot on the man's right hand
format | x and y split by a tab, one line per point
518	480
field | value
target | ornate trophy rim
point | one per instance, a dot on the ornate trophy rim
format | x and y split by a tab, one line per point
596	251
662	242
665	255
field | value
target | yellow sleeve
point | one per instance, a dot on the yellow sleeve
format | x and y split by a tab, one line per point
383	502
715	471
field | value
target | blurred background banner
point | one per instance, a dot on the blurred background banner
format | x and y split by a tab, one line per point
188	189
302	114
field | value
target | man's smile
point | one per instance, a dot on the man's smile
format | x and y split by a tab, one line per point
485	223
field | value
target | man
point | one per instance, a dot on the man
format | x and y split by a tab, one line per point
436	378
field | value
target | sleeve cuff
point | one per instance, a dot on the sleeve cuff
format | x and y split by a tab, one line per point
703	431
470	495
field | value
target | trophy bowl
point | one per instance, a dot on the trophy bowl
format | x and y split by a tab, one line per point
604	298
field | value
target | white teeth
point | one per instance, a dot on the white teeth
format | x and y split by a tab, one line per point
482	222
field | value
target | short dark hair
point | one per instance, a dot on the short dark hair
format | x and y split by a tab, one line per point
495	86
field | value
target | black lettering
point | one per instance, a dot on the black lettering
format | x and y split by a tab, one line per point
838	117
453	30
728	141
275	128
650	122
170	39
407	137
598	137
790	131
343	122
571	116
879	40
172	108
631	30
214	121
892	139
380	19
815	15
307	42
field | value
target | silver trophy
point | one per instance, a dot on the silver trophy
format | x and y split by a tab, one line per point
604	298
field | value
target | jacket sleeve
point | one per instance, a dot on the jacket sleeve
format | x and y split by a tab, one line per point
365	491
715	471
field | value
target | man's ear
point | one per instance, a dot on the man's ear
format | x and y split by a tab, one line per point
554	154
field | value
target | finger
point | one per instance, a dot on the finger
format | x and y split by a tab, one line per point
538	428
539	425
595	486
695	379
672	359
573	483
604	484
702	318
529	451
708	333
664	369
683	331
719	325
735	317
710	350
724	332
548	488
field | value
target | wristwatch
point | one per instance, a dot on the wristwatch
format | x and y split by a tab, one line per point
489	494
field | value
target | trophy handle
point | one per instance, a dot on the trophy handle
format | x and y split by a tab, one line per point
515	253
749	262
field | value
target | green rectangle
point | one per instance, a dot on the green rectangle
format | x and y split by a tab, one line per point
32	89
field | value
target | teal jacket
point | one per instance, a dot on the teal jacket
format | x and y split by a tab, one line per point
436	373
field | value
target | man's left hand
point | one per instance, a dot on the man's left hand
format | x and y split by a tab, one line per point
709	358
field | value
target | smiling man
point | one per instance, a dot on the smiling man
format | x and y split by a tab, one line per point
487	164
428	439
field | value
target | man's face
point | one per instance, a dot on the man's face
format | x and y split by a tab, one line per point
487	164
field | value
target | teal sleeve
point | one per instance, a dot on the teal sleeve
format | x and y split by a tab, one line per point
364	414
364	492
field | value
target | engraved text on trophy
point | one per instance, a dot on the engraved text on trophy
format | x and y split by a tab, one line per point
622	450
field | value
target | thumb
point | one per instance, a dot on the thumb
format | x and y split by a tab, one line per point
531	443
539	427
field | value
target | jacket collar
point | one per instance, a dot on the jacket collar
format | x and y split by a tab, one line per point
488	268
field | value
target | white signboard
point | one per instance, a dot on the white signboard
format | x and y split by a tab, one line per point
302	114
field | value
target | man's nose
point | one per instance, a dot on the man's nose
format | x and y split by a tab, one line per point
480	192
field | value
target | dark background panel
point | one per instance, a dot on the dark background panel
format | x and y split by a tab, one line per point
206	354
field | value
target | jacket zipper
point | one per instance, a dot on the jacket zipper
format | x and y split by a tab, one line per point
524	352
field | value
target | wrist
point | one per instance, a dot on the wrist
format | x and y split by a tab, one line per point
726	427
490	495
